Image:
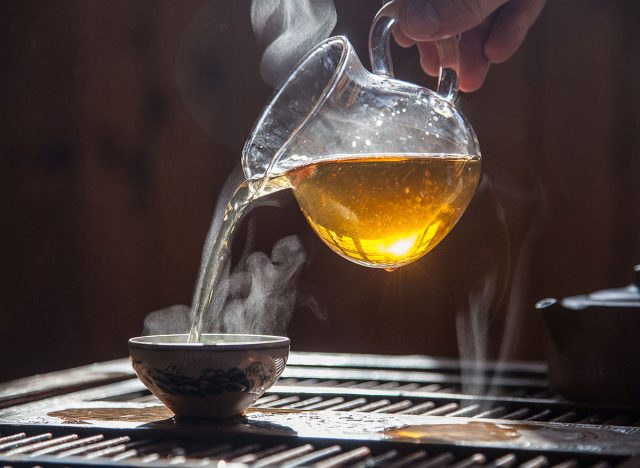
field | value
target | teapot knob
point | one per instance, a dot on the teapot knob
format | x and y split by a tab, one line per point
548	302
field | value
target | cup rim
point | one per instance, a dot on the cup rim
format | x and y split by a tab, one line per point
159	342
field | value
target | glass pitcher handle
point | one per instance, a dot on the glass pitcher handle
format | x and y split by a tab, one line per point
380	51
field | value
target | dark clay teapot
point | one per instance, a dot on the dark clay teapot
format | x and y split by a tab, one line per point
594	352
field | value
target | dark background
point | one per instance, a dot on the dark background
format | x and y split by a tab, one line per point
121	121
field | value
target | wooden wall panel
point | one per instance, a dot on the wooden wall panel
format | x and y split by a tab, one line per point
122	120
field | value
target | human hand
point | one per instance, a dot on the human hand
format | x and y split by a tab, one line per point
490	32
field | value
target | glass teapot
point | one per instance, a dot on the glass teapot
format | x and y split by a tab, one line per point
381	168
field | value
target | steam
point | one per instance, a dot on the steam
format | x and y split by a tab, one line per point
262	295
515	305
258	295
288	29
472	328
172	320
473	325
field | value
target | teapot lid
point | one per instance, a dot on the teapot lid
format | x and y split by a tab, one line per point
628	296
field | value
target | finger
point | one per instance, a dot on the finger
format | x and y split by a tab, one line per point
401	39
474	65
424	20
510	28
429	58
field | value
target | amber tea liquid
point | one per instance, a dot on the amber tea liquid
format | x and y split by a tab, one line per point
381	211
385	211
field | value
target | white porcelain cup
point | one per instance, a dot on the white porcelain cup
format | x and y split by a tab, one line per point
219	377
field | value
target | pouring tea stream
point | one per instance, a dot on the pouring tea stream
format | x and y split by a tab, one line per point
381	168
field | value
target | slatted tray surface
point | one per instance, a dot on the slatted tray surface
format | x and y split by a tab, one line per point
326	410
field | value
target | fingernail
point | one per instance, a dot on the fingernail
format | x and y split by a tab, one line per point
422	20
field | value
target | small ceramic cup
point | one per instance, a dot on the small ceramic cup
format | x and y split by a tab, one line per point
219	377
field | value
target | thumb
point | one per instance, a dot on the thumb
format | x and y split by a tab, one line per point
428	20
